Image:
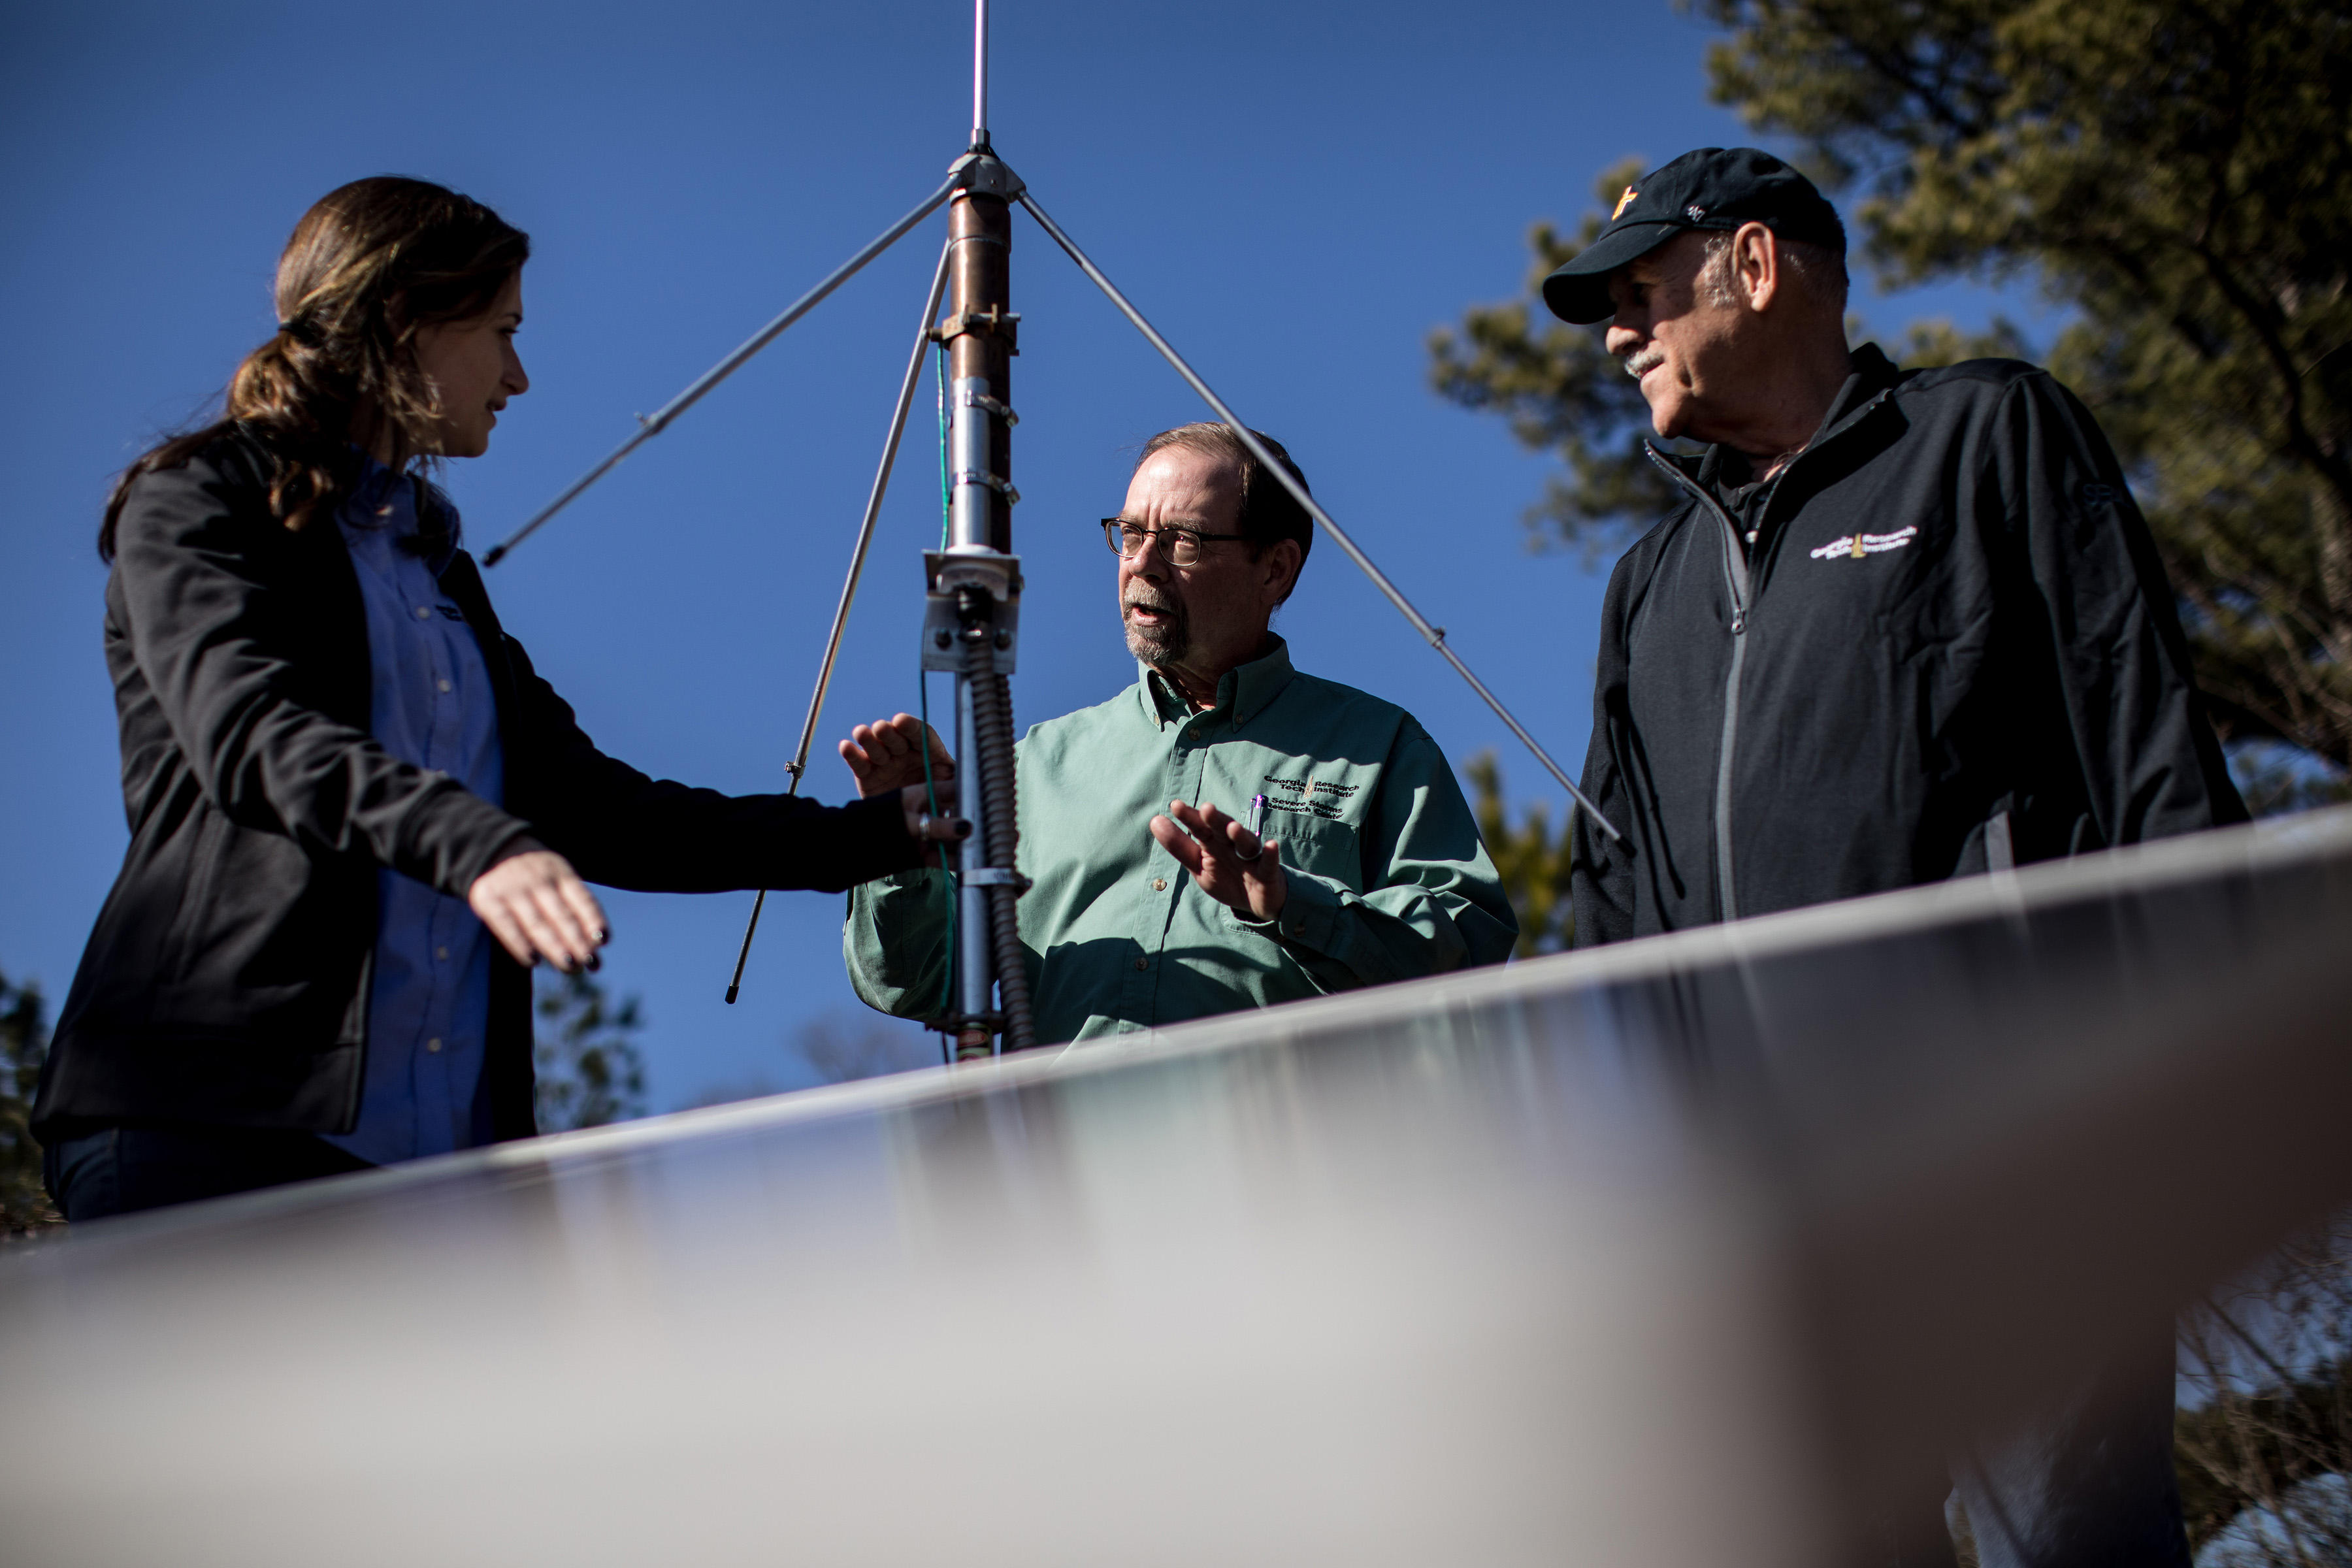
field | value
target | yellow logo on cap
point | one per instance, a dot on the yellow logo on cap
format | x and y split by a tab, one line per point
1623	202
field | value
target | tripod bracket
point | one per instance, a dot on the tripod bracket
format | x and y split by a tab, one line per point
982	173
954	580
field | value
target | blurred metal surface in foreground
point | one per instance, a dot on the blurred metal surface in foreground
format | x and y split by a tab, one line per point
1663	1254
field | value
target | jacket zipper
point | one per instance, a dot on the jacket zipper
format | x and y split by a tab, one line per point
1735	577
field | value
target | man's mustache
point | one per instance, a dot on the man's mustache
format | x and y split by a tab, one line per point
1642	361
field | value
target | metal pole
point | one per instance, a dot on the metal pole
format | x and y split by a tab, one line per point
798	766
1435	636
650	428
979	74
980	331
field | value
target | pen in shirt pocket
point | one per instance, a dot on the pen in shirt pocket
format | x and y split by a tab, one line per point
1257	824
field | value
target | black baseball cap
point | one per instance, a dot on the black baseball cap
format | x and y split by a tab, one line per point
1715	187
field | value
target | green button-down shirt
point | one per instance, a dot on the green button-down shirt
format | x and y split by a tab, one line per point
1387	877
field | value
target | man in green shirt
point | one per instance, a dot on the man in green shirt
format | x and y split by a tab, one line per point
1145	910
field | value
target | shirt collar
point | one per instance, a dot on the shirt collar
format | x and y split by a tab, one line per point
1244	691
382	505
1873	373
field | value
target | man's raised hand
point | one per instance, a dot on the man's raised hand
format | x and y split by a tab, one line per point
883	756
1229	862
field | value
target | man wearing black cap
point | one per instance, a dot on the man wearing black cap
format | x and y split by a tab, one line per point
1904	626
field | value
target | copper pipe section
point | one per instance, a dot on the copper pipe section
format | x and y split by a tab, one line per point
980	331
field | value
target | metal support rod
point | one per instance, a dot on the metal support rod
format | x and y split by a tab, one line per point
898	413
979	74
798	766
1434	635
649	428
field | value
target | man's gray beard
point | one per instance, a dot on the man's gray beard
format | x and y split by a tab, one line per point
1161	645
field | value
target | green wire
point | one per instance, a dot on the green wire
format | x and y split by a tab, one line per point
923	681
932	794
946	507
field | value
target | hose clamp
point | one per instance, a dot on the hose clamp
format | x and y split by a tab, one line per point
1002	486
995	405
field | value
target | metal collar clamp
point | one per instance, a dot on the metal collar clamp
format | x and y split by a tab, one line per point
996	482
985	174
994	405
996	320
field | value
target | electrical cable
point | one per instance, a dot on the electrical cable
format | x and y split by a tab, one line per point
947	493
931	799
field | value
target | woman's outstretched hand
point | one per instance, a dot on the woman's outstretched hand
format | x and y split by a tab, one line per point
538	908
935	831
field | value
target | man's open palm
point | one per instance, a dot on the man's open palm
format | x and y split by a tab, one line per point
1229	862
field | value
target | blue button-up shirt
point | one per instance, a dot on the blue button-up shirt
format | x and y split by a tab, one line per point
428	1012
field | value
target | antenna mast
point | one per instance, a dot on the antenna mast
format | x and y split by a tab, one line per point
970	624
971	616
979	76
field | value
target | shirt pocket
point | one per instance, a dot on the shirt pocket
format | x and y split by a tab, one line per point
1319	846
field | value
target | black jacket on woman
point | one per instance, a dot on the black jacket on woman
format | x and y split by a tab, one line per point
226	982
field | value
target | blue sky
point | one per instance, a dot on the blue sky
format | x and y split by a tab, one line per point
1295	192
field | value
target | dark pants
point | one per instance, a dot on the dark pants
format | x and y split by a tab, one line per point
122	1170
2088	1483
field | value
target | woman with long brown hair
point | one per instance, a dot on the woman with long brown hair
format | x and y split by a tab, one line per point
358	816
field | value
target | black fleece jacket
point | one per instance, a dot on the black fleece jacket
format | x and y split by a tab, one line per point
1950	647
226	980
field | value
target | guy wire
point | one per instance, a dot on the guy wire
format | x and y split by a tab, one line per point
651	426
798	766
1434	635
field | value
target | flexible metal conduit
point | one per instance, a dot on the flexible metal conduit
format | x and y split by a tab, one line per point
991	703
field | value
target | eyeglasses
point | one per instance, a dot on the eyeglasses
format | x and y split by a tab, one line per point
1181	545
